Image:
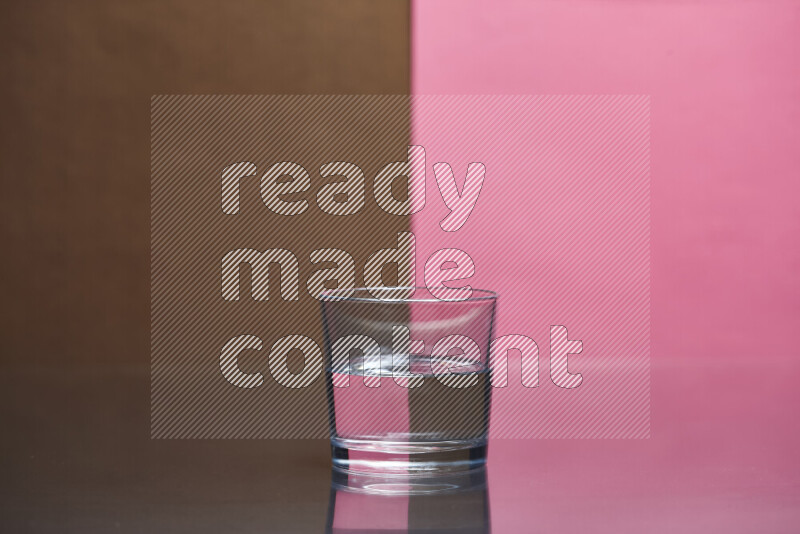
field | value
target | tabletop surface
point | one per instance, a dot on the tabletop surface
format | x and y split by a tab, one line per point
78	458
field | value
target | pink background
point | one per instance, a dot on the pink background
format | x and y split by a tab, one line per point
724	82
561	231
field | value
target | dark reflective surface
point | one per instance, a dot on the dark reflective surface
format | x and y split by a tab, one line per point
77	457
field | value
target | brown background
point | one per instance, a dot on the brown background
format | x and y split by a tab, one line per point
77	81
74	392
193	139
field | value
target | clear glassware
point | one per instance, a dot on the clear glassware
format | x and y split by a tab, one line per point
408	378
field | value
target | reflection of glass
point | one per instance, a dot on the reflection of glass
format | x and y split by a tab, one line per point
383	504
408	378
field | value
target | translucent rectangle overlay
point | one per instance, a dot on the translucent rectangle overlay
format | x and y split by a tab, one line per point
544	199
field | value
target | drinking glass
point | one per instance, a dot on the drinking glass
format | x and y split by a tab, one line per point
408	378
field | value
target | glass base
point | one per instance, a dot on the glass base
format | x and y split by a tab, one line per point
400	485
428	458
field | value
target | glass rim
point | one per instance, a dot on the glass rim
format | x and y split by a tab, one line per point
330	296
